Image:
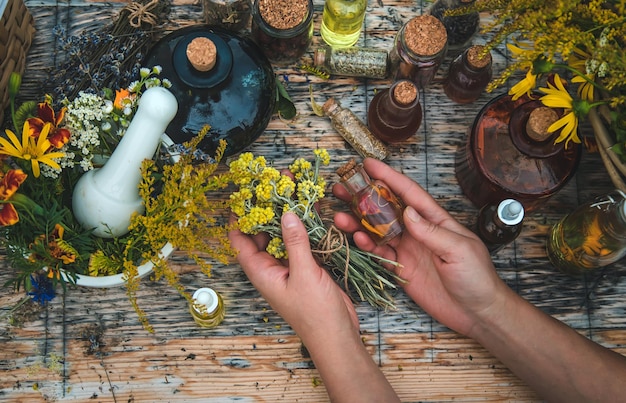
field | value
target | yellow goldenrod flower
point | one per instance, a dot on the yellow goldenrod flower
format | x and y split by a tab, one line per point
524	87
31	149
558	97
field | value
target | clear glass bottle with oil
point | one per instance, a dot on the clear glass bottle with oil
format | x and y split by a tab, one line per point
207	308
342	22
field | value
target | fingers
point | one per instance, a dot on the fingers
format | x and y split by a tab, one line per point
296	241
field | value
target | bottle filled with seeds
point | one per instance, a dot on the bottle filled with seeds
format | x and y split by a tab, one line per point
460	27
468	75
419	48
354	131
353	61
342	22
233	15
283	29
395	113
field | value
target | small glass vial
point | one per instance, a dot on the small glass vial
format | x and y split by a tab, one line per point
354	131
283	33
460	28
207	308
233	15
353	61
591	237
378	209
468	75
395	113
500	223
342	22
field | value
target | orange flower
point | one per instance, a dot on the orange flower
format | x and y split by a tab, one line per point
58	136
57	248
9	183
123	99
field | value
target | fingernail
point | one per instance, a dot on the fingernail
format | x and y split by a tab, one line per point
411	214
290	220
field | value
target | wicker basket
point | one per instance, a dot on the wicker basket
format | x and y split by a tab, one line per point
16	34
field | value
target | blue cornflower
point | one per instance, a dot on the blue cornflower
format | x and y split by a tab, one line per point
42	289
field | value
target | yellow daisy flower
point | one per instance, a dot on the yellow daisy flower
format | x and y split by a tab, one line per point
524	87
558	97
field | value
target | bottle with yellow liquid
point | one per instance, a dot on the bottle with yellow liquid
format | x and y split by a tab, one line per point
207	308
342	22
592	236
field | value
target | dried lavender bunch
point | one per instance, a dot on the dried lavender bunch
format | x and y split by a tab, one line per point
110	57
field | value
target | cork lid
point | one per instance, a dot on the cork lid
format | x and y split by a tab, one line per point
347	170
404	92
319	57
425	35
474	58
283	14
539	121
330	105
202	53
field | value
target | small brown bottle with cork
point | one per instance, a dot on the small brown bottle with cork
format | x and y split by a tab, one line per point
468	75
395	113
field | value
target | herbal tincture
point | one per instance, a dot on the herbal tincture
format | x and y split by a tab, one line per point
353	61
207	308
342	21
500	223
378	209
395	113
354	131
468	75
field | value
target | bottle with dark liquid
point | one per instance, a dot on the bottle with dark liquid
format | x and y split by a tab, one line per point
509	154
500	223
468	75
460	28
395	113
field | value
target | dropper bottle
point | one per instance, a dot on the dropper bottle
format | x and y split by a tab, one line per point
499	224
207	308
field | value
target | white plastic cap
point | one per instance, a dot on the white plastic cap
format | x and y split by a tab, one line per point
510	212
207	297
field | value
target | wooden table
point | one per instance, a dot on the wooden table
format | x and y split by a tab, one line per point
87	344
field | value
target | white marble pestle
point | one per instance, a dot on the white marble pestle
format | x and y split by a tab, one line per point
104	199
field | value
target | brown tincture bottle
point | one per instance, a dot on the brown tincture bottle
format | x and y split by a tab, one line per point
468	75
378	209
500	223
395	113
509	155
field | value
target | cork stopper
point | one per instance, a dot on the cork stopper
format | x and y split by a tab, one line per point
319	57
283	14
538	122
202	54
425	35
405	92
474	58
347	170
329	106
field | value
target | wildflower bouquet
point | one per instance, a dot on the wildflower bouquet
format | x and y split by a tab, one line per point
43	156
584	40
264	194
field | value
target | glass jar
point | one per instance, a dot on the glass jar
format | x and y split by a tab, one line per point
283	33
460	28
468	75
508	154
592	236
395	113
207	308
378	209
353	61
419	48
342	22
500	223
233	15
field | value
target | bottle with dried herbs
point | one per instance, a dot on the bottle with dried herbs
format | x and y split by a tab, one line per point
354	131
419	48
353	61
378	209
468	75
283	29
395	113
500	223
233	15
207	308
460	28
591	237
342	22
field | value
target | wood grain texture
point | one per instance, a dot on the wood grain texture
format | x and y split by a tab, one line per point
87	344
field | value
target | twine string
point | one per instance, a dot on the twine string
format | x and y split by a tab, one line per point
140	13
333	241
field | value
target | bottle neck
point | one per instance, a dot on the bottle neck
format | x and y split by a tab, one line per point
357	182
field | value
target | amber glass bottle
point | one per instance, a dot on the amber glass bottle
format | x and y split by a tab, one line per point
395	113
460	28
468	75
378	209
508	154
500	223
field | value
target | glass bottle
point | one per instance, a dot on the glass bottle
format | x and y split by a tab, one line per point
354	131
342	22
460	28
233	15
378	209
353	61
500	223
508	154
283	34
592	236
468	75
418	50
207	308
395	113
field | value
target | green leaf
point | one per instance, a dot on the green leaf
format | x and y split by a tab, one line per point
284	105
